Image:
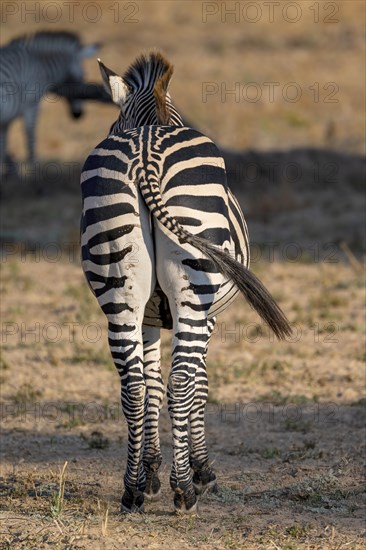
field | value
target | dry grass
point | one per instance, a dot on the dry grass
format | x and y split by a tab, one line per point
225	53
285	421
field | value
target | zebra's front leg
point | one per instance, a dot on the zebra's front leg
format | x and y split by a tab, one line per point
155	388
30	118
7	165
127	351
189	345
204	477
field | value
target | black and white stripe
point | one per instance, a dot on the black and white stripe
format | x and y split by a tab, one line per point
29	67
164	244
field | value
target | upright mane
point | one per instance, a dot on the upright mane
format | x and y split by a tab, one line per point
152	72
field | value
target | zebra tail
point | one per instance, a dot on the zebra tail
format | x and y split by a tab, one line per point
251	287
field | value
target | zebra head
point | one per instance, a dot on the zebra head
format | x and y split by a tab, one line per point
55	58
76	75
142	93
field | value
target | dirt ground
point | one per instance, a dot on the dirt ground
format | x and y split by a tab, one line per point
285	421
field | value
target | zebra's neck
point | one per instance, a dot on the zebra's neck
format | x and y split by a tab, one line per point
149	119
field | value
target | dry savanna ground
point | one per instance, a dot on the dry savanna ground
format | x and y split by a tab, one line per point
285	421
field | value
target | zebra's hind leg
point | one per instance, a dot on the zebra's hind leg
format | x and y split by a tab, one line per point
204	478
189	345
118	261
125	341
155	389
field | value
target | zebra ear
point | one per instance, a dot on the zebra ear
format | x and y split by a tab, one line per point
89	50
114	85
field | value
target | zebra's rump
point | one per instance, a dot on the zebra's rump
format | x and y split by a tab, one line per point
190	174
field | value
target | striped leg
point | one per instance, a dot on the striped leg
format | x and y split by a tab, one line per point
155	388
7	164
203	476
189	348
3	135
118	261
127	351
30	117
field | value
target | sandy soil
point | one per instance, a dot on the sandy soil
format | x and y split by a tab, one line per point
285	421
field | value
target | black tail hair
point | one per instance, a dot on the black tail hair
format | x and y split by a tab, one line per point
253	290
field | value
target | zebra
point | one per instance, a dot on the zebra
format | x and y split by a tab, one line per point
164	244
29	66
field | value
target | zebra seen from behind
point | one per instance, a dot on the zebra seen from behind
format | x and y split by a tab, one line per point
29	67
164	244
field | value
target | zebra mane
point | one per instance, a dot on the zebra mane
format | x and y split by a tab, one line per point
46	41
152	72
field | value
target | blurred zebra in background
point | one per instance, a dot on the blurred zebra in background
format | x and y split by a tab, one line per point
164	244
30	66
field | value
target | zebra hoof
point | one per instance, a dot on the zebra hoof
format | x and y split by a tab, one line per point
152	491
185	503
187	511
134	510
201	489
204	481
132	502
153	497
